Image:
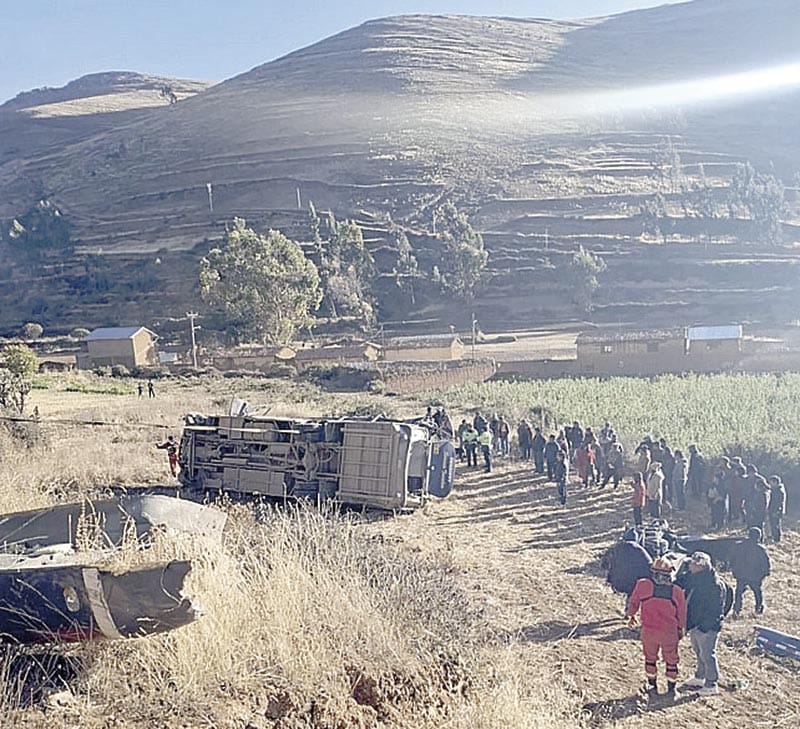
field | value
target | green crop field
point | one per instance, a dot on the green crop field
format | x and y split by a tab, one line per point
755	415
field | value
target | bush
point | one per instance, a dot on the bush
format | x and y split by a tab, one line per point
102	371
340	378
119	370
26	432
79	333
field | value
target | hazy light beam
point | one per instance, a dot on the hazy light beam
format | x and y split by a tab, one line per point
714	89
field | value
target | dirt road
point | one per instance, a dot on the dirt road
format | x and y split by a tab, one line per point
532	566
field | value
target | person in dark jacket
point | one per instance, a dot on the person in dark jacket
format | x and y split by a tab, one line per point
551	451
538	443
667	465
718	494
750	564
575	438
705	597
697	472
756	501
777	507
561	475
737	489
626	562
479	423
524	438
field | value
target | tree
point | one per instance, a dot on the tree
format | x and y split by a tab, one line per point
32	330
18	365
666	160
41	228
265	285
353	271
760	197
407	267
463	256
655	217
583	270
346	267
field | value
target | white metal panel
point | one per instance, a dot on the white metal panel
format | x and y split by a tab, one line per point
729	331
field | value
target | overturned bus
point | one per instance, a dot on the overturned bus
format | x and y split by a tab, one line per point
378	463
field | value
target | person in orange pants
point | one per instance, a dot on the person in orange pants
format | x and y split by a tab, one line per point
663	611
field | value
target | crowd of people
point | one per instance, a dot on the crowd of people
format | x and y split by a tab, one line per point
674	599
736	493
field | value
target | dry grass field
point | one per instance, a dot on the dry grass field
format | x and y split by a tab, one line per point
484	610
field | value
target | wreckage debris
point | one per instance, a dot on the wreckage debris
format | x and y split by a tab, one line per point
51	590
43	604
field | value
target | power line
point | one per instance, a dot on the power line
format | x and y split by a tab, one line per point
64	421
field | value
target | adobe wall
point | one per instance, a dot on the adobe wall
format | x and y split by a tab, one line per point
447	374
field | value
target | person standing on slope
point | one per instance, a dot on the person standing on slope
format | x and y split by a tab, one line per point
663	610
561	476
707	598
750	564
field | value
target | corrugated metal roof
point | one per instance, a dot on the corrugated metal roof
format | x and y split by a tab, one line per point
728	331
114	333
423	340
629	335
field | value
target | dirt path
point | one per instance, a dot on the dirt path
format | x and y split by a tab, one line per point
532	566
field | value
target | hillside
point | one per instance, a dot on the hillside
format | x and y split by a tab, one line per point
543	132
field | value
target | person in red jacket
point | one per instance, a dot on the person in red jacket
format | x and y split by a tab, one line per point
663	607
584	462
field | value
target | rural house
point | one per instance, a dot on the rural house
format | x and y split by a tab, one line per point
128	346
337	355
253	357
428	348
653	352
630	352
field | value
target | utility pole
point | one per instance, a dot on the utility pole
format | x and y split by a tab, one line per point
191	316
299	201
210	198
474	334
546	237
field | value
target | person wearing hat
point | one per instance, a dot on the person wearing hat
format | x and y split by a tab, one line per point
750	564
663	614
705	601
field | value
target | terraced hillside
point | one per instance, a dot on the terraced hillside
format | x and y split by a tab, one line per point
545	133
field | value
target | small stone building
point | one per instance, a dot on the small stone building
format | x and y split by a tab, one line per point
428	348
653	352
128	346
